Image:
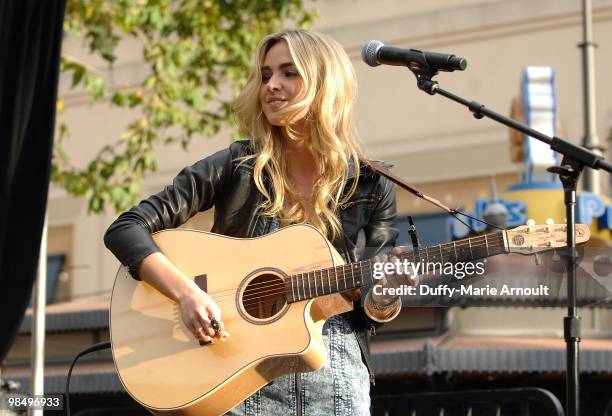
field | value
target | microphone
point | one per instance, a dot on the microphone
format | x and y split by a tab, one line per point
375	53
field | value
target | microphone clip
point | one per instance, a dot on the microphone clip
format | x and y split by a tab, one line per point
425	83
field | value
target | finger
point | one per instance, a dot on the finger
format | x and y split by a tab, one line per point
216	322
204	322
194	331
188	324
219	328
381	258
214	313
413	280
202	335
210	331
221	333
198	332
213	310
215	325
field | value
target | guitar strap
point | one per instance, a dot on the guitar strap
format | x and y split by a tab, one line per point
381	168
378	166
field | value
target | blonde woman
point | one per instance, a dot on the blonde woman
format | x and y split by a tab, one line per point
300	163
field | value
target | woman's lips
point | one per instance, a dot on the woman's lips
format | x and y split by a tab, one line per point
276	103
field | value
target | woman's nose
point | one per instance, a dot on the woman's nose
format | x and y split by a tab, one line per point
273	83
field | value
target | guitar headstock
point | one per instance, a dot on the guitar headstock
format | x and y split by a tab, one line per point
530	239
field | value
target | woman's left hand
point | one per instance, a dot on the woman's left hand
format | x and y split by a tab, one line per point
381	296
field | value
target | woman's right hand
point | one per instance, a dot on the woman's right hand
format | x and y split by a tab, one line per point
199	313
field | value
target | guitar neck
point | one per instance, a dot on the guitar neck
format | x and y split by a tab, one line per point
350	276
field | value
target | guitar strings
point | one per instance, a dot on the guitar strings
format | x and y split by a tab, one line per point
401	256
356	275
340	268
267	288
257	298
265	302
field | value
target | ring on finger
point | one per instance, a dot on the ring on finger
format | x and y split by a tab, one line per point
215	325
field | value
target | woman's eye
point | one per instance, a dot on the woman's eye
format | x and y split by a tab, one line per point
290	74
265	77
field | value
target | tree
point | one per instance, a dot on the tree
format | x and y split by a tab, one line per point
191	48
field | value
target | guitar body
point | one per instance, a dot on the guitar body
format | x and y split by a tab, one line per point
165	369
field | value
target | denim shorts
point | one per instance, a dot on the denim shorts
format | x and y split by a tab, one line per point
340	388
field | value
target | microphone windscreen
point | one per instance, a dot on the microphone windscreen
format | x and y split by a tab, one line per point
369	53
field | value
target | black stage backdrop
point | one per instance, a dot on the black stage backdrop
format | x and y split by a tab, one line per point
30	40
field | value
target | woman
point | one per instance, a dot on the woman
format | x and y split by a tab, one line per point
300	164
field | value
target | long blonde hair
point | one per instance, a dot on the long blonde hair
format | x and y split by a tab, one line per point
329	92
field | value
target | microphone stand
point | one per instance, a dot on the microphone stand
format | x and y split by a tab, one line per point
575	158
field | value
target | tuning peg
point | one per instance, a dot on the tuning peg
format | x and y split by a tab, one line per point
538	259
549	224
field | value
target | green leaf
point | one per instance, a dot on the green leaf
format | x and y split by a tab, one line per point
119	99
77	75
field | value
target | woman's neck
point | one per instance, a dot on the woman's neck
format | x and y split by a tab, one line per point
301	170
296	147
300	161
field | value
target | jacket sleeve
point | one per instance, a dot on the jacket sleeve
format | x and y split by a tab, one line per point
380	239
379	232
193	190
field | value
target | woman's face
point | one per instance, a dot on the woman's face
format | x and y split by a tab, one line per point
280	84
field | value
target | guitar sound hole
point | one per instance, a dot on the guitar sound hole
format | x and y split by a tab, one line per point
264	296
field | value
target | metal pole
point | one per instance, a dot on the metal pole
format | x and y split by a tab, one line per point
37	385
591	181
572	322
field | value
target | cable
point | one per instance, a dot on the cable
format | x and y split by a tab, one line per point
97	347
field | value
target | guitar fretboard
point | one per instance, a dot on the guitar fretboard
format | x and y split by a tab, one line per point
336	279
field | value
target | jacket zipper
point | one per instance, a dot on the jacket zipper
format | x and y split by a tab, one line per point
371	332
298	394
252	223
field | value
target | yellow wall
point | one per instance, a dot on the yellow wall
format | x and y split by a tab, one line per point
548	203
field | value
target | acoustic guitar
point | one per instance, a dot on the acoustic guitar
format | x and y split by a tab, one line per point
275	293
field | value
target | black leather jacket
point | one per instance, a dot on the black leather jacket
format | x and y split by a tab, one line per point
221	181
